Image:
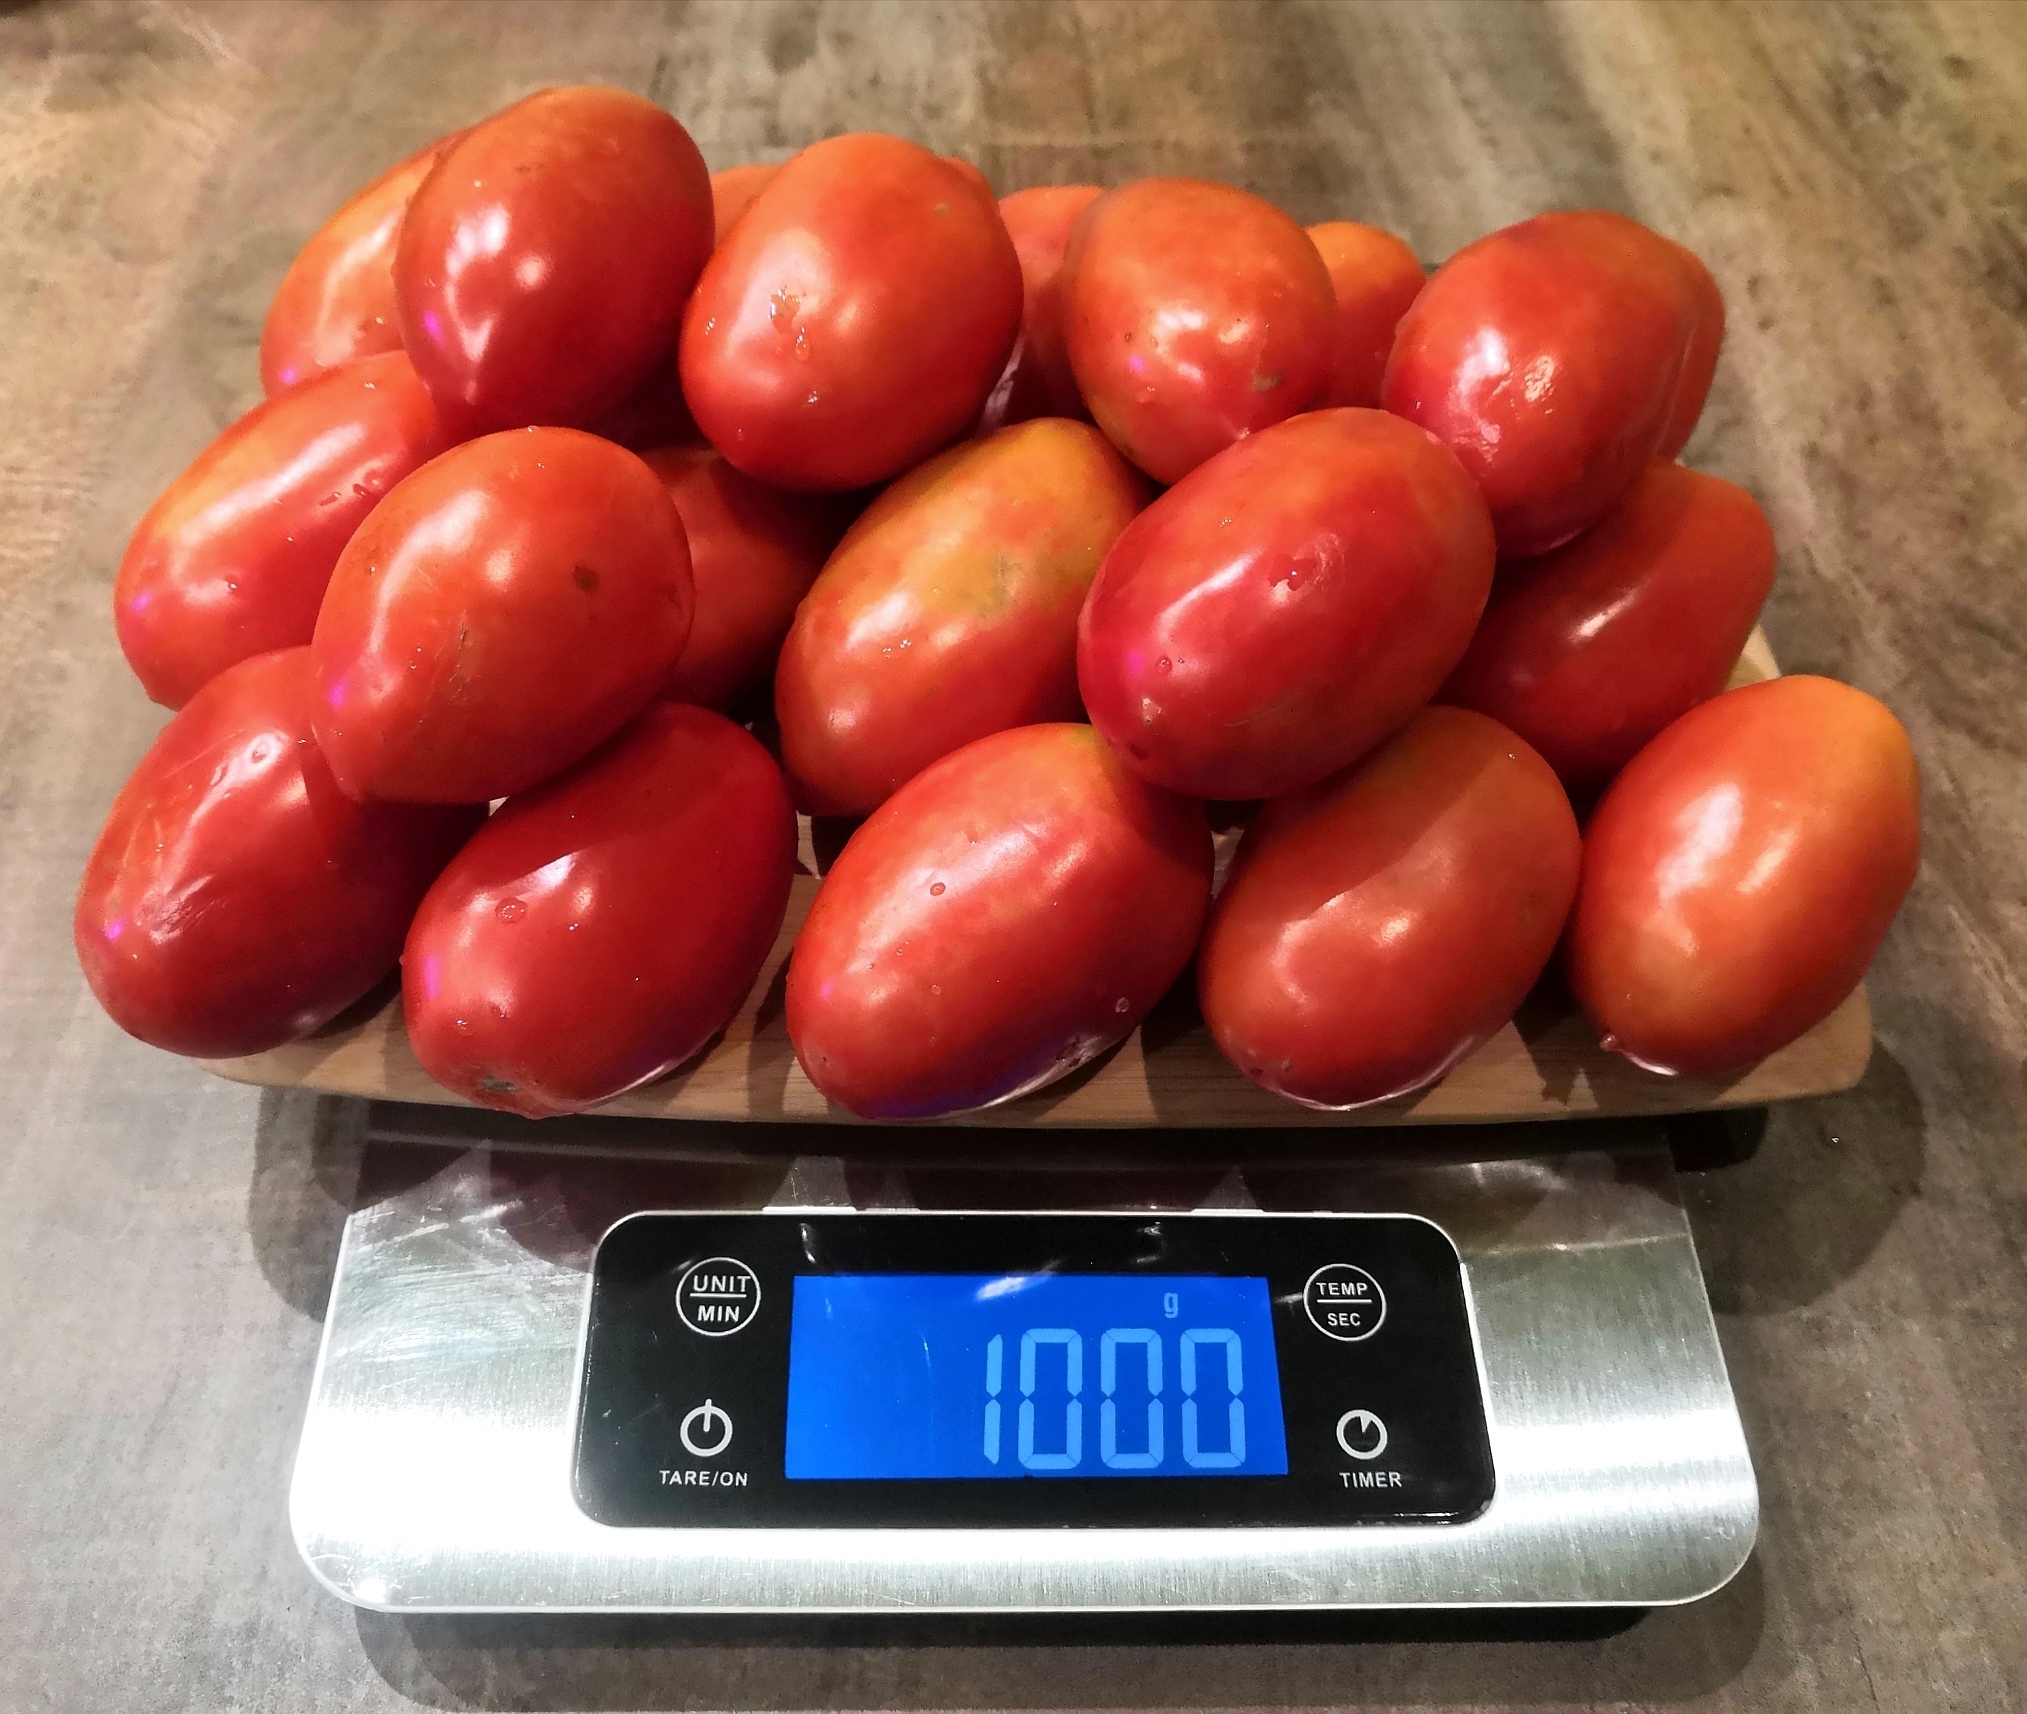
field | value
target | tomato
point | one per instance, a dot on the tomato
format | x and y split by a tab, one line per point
1037	381
1547	356
1379	926
506	608
754	552
1195	314
1006	916
733	191
1282	609
543	264
1699	361
949	611
602	928
1741	872
654	414
1375	277
236	899
855	318
973	176
1588	651
336	302
233	559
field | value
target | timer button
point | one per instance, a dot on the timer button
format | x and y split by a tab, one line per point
717	1296
1361	1434
1344	1302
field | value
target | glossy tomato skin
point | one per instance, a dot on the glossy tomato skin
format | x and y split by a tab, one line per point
505	609
603	927
1375	276
236	899
854	319
1380	925
1741	872
949	611
336	302
1195	314
1547	357
754	552
1699	358
1282	609
233	559
1037	381
543	264
1589	651
1002	919
733	191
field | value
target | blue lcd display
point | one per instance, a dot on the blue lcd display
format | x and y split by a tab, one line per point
909	1376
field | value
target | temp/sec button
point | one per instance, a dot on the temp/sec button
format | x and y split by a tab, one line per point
1344	1302
717	1296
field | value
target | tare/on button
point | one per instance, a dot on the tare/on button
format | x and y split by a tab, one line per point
1344	1302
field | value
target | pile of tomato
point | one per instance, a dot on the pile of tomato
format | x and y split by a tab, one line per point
1049	521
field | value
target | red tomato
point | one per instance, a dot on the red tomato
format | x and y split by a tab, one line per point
949	611
1195	315
754	552
1699	361
236	899
1741	872
234	558
1379	926
543	264
1003	918
1037	381
855	318
973	176
1547	357
336	302
733	191
602	928
1281	610
654	414
1375	277
506	608
1587	652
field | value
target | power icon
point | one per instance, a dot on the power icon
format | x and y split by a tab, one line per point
1361	1434
705	1431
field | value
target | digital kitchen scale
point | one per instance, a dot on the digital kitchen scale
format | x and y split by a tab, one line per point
569	1377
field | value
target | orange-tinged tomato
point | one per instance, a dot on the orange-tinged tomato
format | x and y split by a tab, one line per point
1380	925
236	899
1375	277
1283	608
602	928
1587	652
543	264
506	608
733	191
1037	381
1741	872
1005	917
949	611
854	319
754	552
1699	359
336	302
1547	356
234	558
1195	315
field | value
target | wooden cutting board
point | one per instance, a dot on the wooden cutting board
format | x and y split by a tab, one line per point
1545	1064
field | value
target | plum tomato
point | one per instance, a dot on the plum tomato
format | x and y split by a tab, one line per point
236	899
855	318
1740	874
506	608
1005	917
1195	314
1590	650
733	191
336	302
602	928
754	552
234	557
544	262
1699	360
1037	381
1375	277
1283	608
1547	357
949	611
1380	925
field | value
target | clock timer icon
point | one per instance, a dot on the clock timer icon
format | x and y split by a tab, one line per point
1361	1434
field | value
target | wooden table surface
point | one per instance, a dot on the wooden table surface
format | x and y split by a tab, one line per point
1857	178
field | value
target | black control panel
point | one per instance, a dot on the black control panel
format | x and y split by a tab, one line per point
954	1370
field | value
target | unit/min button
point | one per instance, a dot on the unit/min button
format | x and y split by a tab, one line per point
1344	1302
717	1296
